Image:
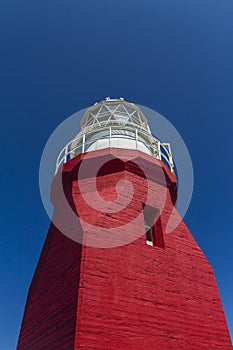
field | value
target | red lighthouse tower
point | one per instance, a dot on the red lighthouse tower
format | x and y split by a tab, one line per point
109	276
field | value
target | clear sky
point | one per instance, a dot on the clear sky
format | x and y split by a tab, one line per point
57	57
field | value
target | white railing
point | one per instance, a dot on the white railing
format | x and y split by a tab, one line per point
82	142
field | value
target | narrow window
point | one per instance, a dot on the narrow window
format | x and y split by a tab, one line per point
148	228
153	227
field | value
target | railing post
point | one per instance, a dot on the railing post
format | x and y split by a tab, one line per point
170	158
159	149
171	164
66	152
83	145
110	136
136	138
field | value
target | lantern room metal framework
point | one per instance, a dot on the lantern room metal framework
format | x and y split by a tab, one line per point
115	123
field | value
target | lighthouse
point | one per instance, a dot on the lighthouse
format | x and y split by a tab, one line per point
110	276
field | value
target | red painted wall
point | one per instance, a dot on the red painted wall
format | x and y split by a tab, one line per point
50	312
130	297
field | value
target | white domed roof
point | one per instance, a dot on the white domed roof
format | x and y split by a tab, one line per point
114	112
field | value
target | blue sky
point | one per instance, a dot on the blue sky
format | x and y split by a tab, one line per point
174	56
